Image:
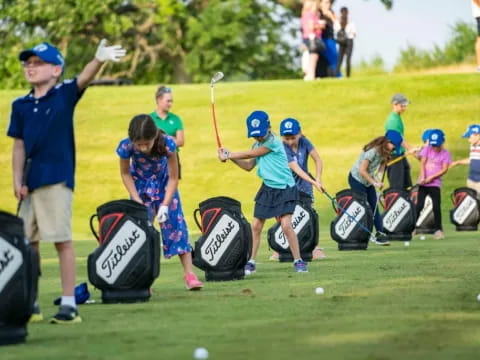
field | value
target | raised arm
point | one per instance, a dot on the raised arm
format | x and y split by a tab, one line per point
245	159
104	53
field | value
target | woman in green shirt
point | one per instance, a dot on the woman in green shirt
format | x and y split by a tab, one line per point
167	121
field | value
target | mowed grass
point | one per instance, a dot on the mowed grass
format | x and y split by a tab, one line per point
384	303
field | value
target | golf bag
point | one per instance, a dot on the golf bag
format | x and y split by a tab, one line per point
426	221
18	280
465	214
305	225
345	228
127	260
398	215
225	245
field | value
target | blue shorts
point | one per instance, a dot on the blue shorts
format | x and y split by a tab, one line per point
478	26
271	202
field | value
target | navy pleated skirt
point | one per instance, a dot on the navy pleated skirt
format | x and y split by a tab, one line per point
271	202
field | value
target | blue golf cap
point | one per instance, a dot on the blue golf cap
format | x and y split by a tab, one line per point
45	51
396	139
289	126
257	124
436	137
471	130
426	135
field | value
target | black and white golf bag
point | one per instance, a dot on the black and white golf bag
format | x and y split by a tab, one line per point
127	261
18	280
345	228
398	215
465	214
425	223
305	225
225	245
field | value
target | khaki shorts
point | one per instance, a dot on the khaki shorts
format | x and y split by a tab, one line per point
475	185
47	214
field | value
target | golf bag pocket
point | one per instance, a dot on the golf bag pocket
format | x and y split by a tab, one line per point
353	217
398	216
225	245
305	225
425	223
127	261
465	213
18	280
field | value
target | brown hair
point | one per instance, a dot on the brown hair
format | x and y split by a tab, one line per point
142	127
162	90
381	145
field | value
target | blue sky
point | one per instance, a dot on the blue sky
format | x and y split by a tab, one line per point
421	23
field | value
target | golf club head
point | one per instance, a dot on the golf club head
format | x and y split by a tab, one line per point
218	76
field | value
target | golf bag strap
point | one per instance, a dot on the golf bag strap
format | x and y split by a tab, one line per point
195	217
92	228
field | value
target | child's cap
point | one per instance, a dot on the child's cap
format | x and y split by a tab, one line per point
396	139
436	137
289	126
471	130
400	99
257	124
426	135
45	51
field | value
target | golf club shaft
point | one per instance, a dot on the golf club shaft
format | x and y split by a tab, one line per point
26	170
332	199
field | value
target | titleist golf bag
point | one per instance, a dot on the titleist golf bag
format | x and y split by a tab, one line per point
305	225
465	214
426	221
398	215
18	280
127	261
345	229
225	245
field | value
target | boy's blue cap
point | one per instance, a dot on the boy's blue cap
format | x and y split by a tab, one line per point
472	129
289	126
396	139
257	124
436	137
45	51
426	135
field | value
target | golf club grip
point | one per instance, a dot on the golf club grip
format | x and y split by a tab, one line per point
219	144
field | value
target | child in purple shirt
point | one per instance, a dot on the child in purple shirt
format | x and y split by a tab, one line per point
435	161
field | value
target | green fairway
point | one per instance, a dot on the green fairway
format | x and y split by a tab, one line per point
384	303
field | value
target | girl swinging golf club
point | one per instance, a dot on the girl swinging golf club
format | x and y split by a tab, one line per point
278	193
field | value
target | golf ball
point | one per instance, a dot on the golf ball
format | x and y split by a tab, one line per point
200	353
247	272
319	291
422	237
406	243
478	297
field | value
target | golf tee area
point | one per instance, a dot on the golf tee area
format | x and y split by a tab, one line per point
396	302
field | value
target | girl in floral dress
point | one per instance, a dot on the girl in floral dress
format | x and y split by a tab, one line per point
149	171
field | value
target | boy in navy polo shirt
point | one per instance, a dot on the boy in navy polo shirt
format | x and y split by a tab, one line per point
42	127
473	179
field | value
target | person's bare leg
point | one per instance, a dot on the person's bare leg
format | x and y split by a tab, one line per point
286	223
186	260
66	255
257	227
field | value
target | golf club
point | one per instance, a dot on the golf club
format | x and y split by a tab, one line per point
217	77
334	201
26	170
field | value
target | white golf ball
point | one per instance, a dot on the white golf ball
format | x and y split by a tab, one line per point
200	353
406	243
319	291
422	237
247	272
478	297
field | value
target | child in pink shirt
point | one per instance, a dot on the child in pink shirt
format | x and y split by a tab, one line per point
435	161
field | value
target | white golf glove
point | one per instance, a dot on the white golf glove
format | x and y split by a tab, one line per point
114	53
162	214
